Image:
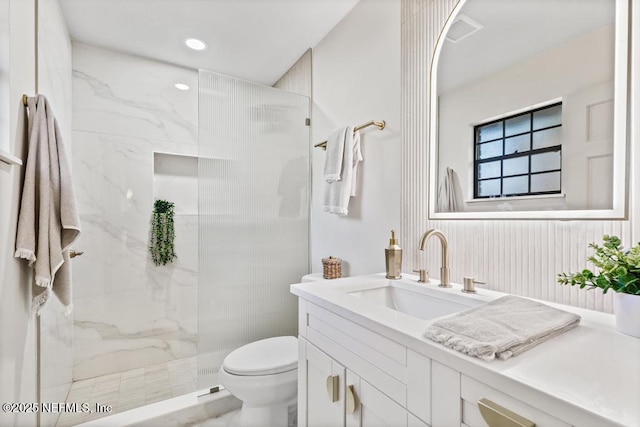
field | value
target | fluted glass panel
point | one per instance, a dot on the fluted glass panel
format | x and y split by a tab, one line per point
253	214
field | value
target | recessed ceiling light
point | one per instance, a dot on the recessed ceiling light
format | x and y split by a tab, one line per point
195	44
181	86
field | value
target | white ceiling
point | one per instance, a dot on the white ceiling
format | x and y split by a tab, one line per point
515	30
257	40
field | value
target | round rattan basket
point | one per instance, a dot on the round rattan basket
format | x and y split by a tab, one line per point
331	268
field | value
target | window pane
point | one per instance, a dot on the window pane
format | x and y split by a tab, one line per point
489	132
490	149
489	170
515	166
489	188
547	138
517	125
545	161
547	117
515	185
517	144
545	182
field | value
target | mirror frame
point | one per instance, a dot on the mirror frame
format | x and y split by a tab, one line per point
619	210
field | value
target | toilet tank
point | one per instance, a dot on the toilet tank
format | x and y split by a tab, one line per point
313	277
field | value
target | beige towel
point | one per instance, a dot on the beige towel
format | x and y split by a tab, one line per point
501	328
447	195
48	223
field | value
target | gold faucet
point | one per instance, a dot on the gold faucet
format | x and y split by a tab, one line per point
444	270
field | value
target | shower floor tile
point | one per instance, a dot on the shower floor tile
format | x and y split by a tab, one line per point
130	389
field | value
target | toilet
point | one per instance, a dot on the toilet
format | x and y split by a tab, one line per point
264	376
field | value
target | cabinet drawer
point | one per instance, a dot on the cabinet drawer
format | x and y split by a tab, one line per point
374	408
370	355
472	391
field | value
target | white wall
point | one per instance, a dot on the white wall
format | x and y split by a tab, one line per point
5	46
356	78
17	325
520	257
54	81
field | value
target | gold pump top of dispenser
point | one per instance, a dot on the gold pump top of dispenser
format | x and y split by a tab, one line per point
393	240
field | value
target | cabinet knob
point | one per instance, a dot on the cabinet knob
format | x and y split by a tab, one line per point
333	387
499	416
352	400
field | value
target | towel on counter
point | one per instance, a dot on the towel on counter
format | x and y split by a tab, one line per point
338	191
48	222
501	328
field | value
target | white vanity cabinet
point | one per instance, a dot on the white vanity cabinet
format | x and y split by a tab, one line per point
335	396
383	372
350	376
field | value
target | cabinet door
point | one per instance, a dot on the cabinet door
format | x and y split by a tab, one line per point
323	392
366	406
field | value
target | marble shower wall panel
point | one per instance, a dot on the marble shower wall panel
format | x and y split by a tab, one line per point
119	94
130	313
114	174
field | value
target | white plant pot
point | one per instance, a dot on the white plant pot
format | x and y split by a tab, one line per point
627	309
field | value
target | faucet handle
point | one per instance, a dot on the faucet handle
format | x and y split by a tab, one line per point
424	275
469	285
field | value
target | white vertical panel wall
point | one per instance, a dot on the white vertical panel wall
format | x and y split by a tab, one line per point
253	193
520	257
297	79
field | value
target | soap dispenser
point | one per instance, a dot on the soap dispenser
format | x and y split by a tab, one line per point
393	258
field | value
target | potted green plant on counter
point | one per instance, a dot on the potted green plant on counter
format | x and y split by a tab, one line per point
618	270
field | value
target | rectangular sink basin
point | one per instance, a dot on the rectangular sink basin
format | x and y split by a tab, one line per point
423	305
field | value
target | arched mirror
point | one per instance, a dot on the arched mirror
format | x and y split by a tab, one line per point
529	110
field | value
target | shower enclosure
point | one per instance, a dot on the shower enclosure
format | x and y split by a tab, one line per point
234	157
253	189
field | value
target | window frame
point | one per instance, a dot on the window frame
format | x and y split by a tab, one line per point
529	153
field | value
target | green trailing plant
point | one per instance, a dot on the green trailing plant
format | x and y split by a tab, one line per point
618	269
161	241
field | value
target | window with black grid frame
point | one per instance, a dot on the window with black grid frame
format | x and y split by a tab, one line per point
519	155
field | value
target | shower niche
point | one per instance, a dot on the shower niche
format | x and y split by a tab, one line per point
175	178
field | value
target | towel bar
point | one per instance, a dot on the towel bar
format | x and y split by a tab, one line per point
380	125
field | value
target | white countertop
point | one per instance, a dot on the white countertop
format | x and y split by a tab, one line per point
592	368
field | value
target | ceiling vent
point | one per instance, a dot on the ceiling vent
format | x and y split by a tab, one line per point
462	28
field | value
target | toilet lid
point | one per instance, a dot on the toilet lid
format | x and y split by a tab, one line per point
264	357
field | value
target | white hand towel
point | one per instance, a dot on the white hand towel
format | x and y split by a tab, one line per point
501	328
48	223
335	154
337	193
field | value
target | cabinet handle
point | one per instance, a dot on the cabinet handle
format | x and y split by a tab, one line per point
499	416
333	387
352	400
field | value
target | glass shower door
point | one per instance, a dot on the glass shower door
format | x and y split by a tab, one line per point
253	175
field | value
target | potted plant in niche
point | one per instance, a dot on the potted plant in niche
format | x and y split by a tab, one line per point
162	234
619	270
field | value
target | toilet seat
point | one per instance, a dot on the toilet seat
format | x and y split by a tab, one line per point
265	357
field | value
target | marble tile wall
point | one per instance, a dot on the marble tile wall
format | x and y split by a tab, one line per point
55	323
128	312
